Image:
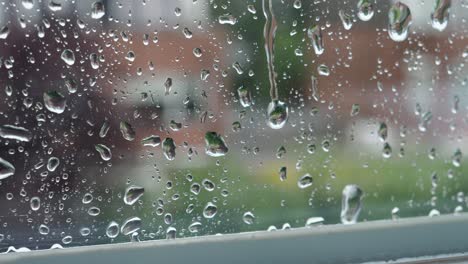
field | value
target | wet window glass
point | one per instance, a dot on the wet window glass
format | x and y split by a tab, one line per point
151	119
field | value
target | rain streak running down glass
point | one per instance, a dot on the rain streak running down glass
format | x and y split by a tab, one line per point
151	119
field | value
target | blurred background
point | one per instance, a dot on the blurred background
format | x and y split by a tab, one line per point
172	69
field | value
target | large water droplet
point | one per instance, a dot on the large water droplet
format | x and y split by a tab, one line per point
346	20
383	131
151	141
248	218
195	227
440	16
53	163
4	32
210	210
305	181
55	102
6	169
399	18
68	57
168	148
227	19
351	204
132	194
127	131
277	114
214	145
28	4
365	10
130	226
112	230
457	158
97	10
103	151
15	132
244	96
35	203
315	35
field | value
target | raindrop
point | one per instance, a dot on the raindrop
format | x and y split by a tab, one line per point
44	230
210	210
399	17
131	225
277	114
4	32
151	141
346	20
132	194
97	10
15	132
55	102
168	148
440	16
227	19
53	163
382	132
28	4
248	218
315	35
215	145
244	96
314	221
112	230
127	131
351	204
195	227
103	151
387	150
6	169
68	57
35	203
365	10
355	109
283	173
305	181
457	158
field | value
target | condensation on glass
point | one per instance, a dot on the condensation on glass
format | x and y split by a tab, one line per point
139	120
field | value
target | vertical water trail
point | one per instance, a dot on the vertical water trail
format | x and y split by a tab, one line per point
269	33
277	111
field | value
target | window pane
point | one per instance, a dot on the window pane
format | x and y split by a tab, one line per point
140	120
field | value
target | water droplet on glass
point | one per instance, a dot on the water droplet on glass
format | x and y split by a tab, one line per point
28	4
345	19
323	70
130	226
351	204
244	96
130	56
215	145
355	109
248	218
168	148
314	221
132	194
53	163
6	169
127	131
315	35
382	132
457	158
151	141
210	210
103	151
94	211
44	230
399	18
4	32
305	181
55	102
97	10
68	57
277	114
297	4
35	203
55	6
387	150
283	173
194	227
15	132
365	10
440	15
227	19
112	230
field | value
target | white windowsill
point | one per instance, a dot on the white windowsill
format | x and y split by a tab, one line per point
362	242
